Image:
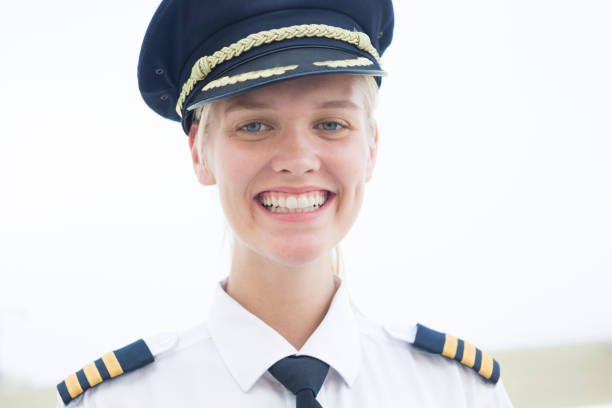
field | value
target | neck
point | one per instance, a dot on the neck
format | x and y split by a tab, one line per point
293	300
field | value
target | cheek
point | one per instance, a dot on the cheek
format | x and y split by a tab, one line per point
236	168
348	160
235	163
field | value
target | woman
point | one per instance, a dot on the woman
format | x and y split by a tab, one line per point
278	106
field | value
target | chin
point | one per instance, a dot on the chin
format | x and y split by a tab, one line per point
297	256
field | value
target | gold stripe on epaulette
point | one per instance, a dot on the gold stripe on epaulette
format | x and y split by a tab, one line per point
469	354
92	374
73	386
486	367
356	62
204	65
246	76
112	364
450	346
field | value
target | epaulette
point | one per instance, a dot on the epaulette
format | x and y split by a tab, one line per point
113	364
453	348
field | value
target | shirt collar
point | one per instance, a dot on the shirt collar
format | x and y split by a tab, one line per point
248	346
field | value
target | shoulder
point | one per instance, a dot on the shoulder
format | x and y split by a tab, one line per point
445	366
134	365
447	348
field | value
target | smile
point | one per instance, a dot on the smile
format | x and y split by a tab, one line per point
300	207
281	202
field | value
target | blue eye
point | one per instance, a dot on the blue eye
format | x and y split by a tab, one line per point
330	126
254	127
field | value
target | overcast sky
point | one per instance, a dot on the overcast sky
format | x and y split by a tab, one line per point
488	215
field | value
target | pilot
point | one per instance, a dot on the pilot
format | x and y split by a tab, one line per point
277	100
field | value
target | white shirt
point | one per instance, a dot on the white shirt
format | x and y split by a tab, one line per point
224	363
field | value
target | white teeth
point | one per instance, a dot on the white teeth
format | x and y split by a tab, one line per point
292	203
282	202
304	202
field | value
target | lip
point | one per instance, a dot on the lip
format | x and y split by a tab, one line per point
293	190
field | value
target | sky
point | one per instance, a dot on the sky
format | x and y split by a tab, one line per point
488	215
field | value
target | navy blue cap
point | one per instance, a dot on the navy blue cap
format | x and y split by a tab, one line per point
198	51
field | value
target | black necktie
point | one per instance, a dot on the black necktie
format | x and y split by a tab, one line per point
303	376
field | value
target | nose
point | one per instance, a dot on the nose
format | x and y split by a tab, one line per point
296	153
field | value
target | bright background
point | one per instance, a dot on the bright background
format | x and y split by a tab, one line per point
489	214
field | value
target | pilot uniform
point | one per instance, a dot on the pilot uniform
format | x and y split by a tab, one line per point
224	362
198	51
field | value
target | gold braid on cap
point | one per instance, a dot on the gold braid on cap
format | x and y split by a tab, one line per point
204	65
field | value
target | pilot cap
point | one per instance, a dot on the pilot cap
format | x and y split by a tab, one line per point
199	51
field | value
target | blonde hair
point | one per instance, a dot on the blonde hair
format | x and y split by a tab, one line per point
369	87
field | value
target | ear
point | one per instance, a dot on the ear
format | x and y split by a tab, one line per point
200	167
372	150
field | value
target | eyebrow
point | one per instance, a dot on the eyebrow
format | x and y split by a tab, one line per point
246	104
338	104
257	105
